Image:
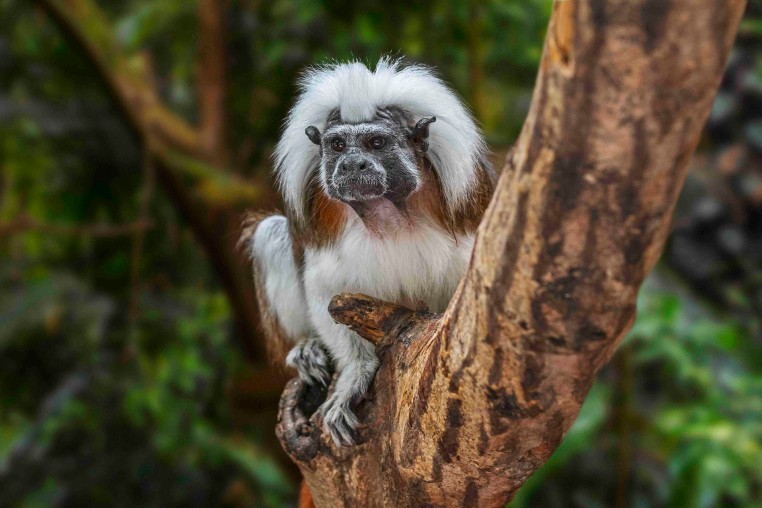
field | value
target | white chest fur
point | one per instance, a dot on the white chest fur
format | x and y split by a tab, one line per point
421	263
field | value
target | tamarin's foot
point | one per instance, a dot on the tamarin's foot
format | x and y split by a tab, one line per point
352	383
311	361
340	421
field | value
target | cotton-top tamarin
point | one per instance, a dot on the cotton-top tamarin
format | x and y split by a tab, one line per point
384	176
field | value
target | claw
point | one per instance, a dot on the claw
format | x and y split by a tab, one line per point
311	362
340	422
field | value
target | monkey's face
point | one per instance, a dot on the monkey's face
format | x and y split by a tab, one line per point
365	162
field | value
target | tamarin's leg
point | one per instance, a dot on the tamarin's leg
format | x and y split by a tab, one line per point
353	357
356	363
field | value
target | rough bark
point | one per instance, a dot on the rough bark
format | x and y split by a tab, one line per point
468	404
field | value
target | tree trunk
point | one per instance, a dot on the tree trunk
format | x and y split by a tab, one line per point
468	404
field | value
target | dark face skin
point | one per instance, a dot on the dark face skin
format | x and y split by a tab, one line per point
369	164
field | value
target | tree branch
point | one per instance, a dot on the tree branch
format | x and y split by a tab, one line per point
466	409
127	80
211	79
138	238
178	153
24	223
125	75
376	320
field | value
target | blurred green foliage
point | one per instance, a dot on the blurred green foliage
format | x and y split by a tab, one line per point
677	417
98	414
101	407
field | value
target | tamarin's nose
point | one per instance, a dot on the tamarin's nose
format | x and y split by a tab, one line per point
353	165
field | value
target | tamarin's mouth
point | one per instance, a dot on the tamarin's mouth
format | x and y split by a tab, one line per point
359	188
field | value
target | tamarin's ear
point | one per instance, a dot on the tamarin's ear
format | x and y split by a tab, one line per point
313	133
420	133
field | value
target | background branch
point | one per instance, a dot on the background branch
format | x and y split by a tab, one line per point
24	223
211	71
202	193
138	238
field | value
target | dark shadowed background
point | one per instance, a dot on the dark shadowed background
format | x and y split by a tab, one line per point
133	135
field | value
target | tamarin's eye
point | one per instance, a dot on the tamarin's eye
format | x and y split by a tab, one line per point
377	142
338	144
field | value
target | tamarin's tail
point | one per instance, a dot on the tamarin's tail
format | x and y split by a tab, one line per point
305	497
277	337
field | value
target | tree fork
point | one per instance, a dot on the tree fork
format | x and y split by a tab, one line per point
468	404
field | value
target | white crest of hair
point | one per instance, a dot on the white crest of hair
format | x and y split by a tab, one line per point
456	145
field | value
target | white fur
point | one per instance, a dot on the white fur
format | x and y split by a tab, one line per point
422	263
456	146
419	264
271	249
